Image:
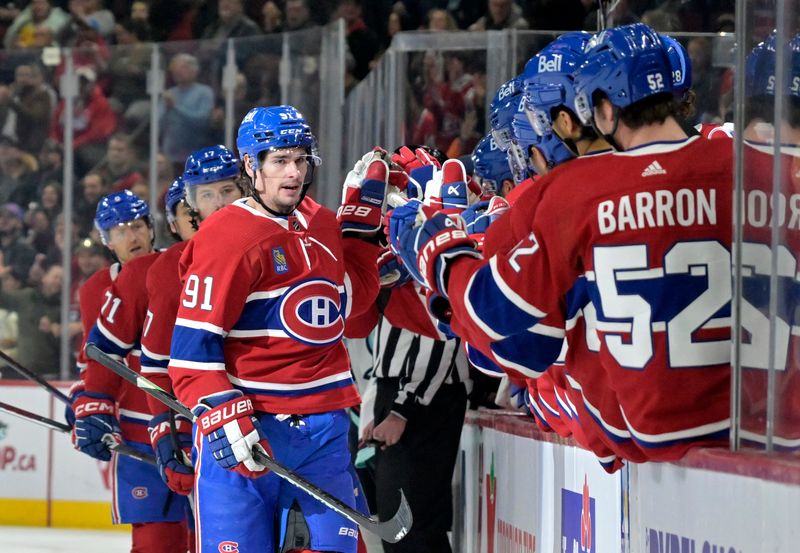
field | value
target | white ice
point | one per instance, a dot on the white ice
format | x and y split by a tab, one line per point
19	539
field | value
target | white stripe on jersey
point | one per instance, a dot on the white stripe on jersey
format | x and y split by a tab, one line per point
135	415
199	325
515	298
196	365
686	434
474	316
108	334
345	375
259	332
154	356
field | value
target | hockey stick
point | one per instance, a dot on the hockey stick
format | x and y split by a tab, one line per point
64	429
392	530
30	375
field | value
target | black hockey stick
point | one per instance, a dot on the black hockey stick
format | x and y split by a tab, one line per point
64	429
392	530
30	375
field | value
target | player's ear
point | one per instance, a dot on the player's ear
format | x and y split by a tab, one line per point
247	161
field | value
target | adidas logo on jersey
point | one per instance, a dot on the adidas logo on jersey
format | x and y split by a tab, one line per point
654	169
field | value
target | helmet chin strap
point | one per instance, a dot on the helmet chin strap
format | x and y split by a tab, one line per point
610	136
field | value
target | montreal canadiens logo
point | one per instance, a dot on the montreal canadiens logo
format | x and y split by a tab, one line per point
228	547
139	492
311	312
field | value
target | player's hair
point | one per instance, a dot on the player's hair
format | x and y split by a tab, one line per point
651	110
685	107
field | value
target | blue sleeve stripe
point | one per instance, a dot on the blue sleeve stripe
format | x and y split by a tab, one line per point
482	362
107	345
528	353
197	345
495	308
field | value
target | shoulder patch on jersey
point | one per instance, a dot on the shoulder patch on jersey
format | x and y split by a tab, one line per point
279	262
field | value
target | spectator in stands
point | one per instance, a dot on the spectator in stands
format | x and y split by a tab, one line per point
271	17
95	14
37	309
93	189
18	173
51	163
18	256
297	15
30	101
185	111
556	15
94	121
705	81
119	169
43	37
501	14
20	33
361	41
662	20
231	22
140	12
397	22
441	20
40	233
127	72
50	199
453	100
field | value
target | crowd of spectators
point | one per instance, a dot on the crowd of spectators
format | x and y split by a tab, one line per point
111	44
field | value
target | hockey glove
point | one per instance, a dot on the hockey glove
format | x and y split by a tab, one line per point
418	168
364	195
173	453
442	311
480	215
391	271
75	391
95	422
447	190
425	245
227	422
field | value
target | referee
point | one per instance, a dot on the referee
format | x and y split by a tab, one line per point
419	412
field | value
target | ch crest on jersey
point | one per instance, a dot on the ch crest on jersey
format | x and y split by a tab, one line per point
311	312
279	261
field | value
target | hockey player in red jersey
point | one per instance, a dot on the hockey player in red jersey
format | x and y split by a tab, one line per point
257	351
111	407
648	242
207	184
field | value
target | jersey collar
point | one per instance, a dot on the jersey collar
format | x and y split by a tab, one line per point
282	221
658	147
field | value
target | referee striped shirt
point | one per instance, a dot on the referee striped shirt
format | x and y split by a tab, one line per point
422	364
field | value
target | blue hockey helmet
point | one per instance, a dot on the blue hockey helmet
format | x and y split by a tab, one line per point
211	164
507	91
548	78
627	64
120	208
174	197
206	166
680	65
271	128
491	165
502	120
760	68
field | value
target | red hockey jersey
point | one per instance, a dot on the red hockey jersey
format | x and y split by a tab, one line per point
263	309
117	331
648	233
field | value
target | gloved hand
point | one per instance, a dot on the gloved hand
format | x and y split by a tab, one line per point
95	423
426	244
391	271
480	215
417	169
447	190
511	395
174	463
75	391
364	195
441	310
227	422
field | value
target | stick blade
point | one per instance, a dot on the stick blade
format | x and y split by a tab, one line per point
396	528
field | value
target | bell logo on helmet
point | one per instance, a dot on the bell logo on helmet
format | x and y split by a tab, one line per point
550	65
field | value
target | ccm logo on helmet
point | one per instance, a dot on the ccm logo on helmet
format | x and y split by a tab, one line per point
311	312
228	547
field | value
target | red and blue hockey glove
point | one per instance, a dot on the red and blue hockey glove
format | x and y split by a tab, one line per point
480	215
418	168
95	423
391	271
173	453
364	195
425	245
447	190
75	391
227	422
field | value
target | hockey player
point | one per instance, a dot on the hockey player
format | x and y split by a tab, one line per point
762	328
650	238
257	351
207	184
110	406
